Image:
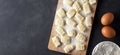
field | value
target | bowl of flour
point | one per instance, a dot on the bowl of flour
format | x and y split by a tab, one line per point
106	48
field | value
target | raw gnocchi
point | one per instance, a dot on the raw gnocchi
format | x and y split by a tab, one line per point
68	2
86	8
60	31
79	17
76	6
92	1
80	46
71	33
71	22
83	1
61	13
81	27
68	48
70	13
88	21
59	22
65	40
56	41
80	37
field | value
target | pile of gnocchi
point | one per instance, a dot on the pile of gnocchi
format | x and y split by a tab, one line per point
73	24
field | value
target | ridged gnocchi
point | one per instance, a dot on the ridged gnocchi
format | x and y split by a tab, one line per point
80	37
79	17
61	13
59	22
70	13
88	21
71	32
81	27
56	41
68	2
71	22
68	48
60	31
76	6
86	8
80	46
92	2
65	40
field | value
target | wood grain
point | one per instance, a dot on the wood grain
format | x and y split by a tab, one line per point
53	32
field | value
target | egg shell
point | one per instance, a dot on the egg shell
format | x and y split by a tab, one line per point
108	32
107	18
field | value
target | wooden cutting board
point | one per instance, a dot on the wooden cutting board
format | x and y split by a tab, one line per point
53	32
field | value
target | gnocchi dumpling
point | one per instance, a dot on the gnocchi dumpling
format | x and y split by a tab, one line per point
76	6
83	1
65	40
56	41
70	13
60	30
68	48
71	22
81	27
88	21
79	17
71	33
92	1
86	8
80	46
61	13
68	2
80	37
59	22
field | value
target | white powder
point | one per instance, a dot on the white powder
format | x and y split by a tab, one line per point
106	48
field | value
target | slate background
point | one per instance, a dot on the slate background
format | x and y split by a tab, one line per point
25	26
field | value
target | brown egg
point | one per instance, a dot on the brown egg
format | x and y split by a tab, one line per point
107	18
108	32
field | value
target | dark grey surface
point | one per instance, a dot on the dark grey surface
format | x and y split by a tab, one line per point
25	26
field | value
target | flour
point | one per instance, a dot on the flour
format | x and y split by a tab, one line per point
106	48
